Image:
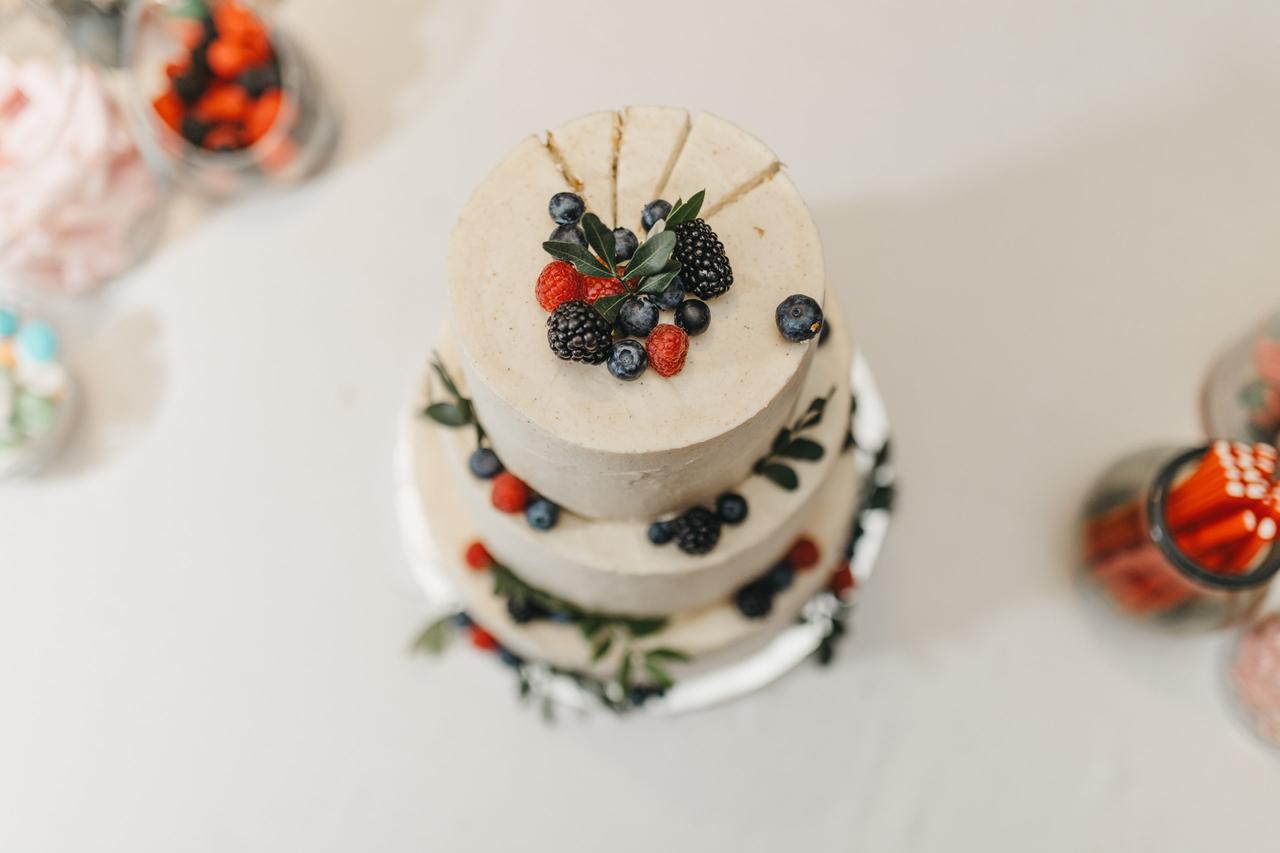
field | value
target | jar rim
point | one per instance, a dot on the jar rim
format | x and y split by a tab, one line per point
1158	530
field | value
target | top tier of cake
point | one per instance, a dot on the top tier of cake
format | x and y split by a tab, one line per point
601	447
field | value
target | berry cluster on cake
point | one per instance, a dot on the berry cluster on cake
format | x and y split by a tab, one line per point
636	452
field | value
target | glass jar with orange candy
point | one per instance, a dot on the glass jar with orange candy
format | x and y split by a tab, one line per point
223	100
1186	537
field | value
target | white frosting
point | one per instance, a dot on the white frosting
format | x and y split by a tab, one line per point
597	446
587	149
611	565
73	187
651	141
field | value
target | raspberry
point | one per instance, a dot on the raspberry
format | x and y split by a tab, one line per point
482	639
598	287
842	581
477	557
803	554
558	282
667	346
510	494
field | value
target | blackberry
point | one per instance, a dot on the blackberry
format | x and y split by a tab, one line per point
542	514
697	530
638	315
693	316
566	208
703	265
660	532
568	234
754	600
522	610
484	464
672	296
732	508
578	332
653	211
624	244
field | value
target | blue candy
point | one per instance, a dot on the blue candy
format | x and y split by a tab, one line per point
8	323
38	342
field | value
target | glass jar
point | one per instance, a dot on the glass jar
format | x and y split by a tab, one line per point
1132	551
1253	677
37	394
77	204
224	107
1241	398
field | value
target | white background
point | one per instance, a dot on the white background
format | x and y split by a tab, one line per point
1045	217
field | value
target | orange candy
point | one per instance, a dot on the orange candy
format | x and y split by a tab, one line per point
261	115
223	102
228	59
222	136
169	107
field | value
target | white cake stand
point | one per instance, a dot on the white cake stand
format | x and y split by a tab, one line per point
821	616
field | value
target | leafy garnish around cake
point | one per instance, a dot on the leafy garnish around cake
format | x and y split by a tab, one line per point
788	445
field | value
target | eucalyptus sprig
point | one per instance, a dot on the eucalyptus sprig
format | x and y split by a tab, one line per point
787	445
458	413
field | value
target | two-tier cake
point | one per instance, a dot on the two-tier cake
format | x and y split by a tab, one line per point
635	451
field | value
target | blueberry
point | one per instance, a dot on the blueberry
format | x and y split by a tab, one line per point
641	693
542	514
731	508
672	296
780	576
484	463
638	315
799	317
568	234
509	658
566	208
561	618
653	211
461	620
624	244
628	359
693	316
660	532
754	600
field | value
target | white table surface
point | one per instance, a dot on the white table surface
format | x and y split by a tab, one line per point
1046	217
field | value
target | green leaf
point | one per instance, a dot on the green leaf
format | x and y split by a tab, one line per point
658	675
882	498
665	654
645	627
624	672
659	282
813	415
449	414
434	637
444	377
783	475
782	440
590	626
802	448
883	455
600	239
582	260
684	211
651	257
602	648
609	306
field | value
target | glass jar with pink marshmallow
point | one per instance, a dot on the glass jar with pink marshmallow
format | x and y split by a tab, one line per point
78	206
